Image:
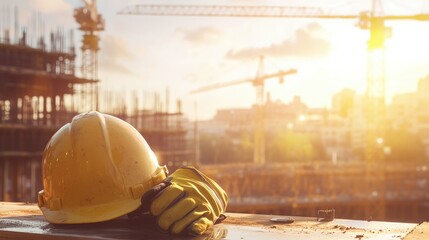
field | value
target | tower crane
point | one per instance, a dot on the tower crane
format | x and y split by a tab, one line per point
372	20
259	119
90	24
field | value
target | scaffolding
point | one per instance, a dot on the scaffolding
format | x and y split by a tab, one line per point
40	91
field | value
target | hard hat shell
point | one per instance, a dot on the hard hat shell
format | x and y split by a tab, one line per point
96	168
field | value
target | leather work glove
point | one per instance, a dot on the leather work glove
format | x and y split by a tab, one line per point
186	202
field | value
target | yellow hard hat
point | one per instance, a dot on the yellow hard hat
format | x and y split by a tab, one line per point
96	168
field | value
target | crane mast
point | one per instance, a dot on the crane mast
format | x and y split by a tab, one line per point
259	135
374	106
90	23
259	115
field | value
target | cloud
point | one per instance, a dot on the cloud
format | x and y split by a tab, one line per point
115	54
51	6
205	34
306	42
52	12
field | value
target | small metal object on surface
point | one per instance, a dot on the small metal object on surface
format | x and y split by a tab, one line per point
24	221
326	215
282	220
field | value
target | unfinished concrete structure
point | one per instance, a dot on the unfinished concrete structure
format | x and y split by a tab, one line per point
40	91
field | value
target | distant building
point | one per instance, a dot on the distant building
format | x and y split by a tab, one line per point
234	119
356	124
212	127
278	116
327	126
423	112
341	129
411	110
343	102
402	111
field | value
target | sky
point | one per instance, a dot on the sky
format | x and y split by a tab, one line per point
150	54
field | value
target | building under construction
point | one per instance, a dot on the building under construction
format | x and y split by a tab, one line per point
40	91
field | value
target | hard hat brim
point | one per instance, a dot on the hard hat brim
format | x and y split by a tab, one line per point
91	214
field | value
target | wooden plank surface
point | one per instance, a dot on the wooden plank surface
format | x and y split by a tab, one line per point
421	232
24	221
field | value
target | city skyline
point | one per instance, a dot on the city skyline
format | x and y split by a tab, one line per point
153	53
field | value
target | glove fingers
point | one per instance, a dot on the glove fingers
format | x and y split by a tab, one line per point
186	221
199	226
165	198
147	197
176	212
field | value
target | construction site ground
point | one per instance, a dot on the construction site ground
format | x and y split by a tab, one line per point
25	221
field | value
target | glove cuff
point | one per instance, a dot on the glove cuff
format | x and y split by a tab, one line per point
157	177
